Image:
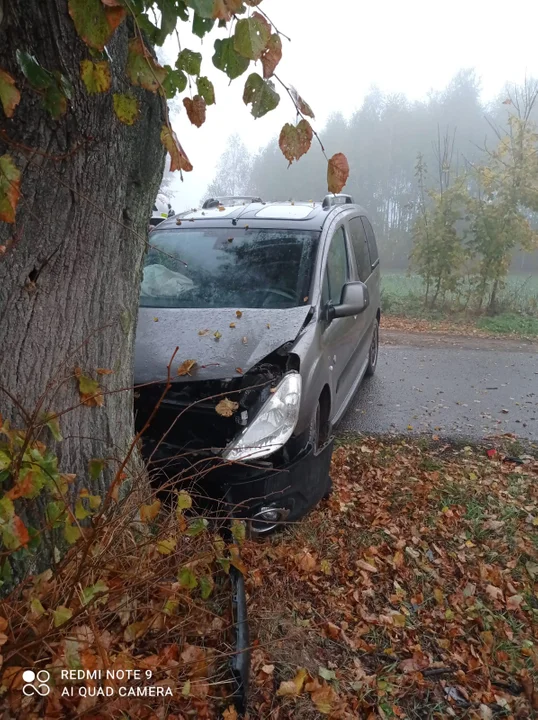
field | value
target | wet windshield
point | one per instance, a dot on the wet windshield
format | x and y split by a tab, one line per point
228	268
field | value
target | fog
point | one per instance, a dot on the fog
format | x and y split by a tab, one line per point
340	49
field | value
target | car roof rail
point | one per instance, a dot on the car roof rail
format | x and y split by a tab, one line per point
340	199
215	202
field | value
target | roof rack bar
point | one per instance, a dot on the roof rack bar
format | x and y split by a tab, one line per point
336	199
215	202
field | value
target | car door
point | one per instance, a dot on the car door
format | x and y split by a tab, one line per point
359	243
338	336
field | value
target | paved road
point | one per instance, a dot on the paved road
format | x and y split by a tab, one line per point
457	388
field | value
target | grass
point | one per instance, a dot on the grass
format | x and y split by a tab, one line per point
402	295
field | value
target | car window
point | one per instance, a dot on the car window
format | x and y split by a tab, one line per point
360	247
228	267
337	266
372	245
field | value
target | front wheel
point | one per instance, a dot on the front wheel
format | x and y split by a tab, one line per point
374	350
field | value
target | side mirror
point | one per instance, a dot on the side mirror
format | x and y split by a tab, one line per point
355	299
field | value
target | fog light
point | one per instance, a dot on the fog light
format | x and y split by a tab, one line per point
267	519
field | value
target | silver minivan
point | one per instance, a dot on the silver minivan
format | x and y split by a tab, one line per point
275	311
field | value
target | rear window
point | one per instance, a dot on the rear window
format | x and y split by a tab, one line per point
228	267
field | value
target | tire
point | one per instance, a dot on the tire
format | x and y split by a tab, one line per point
373	353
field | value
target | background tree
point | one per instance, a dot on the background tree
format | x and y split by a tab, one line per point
82	131
232	176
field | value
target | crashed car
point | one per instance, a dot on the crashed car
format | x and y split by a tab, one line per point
274	310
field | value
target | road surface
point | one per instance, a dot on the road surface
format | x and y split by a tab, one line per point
455	388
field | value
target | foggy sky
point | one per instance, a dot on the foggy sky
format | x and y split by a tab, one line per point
340	48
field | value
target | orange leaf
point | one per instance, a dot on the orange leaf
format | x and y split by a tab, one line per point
150	512
9	95
196	110
337	173
178	158
272	55
186	367
10	184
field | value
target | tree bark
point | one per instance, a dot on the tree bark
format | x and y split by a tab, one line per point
70	274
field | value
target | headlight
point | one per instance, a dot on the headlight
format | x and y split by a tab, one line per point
273	425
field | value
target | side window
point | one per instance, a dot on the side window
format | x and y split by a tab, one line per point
372	245
337	266
360	246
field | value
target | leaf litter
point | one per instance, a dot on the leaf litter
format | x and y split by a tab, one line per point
412	592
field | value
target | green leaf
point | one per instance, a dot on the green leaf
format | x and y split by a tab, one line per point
203	8
80	511
10	183
53	424
87	386
261	94
9	95
96	76
197	526
61	615
72	533
96	467
251	36
90	592
37	76
326	674
7	509
126	108
55	512
175	81
206	586
187	579
36	607
94	501
238	530
228	60
184	501
141	67
201	26
94	22
206	90
189	61
6	572
5	460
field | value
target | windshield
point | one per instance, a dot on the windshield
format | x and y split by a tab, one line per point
219	268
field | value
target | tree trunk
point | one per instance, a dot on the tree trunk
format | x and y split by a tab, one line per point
70	274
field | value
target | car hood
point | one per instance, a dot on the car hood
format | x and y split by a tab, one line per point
257	333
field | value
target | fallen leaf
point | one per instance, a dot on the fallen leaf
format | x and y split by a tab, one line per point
293	687
186	367
226	407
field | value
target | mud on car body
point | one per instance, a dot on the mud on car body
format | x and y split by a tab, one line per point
276	308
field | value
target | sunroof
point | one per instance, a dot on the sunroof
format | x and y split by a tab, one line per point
284	212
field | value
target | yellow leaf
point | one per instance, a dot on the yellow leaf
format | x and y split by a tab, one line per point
226	407
293	687
150	512
96	76
165	547
439	597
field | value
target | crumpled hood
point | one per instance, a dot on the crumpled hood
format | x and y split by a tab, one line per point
257	333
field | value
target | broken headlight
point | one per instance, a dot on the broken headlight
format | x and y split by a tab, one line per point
273	425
